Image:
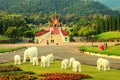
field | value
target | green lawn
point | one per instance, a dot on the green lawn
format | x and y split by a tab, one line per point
2	50
56	67
4	37
108	35
112	50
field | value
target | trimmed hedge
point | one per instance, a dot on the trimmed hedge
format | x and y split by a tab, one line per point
112	50
3	50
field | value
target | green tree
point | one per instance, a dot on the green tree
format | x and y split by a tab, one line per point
86	31
21	31
118	23
12	32
29	34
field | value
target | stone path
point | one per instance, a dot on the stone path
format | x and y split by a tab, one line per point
65	50
62	51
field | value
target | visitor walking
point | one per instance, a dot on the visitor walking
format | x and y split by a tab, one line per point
47	42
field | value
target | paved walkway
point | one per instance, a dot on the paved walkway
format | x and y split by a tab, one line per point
62	51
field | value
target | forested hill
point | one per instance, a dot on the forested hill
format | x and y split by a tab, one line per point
80	7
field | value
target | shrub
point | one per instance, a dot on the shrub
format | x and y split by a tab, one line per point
83	48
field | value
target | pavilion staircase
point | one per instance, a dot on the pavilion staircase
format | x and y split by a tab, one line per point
56	36
55	31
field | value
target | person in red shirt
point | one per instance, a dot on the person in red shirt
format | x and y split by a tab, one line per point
102	47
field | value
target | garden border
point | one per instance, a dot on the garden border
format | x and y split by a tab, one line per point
102	55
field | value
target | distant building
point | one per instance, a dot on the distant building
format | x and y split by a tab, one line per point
55	28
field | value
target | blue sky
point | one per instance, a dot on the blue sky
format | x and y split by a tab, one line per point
114	4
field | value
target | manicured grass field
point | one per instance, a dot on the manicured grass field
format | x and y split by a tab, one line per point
4	38
108	35
2	50
56	67
112	50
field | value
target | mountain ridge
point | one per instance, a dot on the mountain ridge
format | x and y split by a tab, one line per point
78	7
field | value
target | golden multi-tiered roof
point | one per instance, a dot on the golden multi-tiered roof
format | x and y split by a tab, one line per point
55	21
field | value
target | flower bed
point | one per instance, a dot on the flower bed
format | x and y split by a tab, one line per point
16	76
9	68
63	76
14	73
